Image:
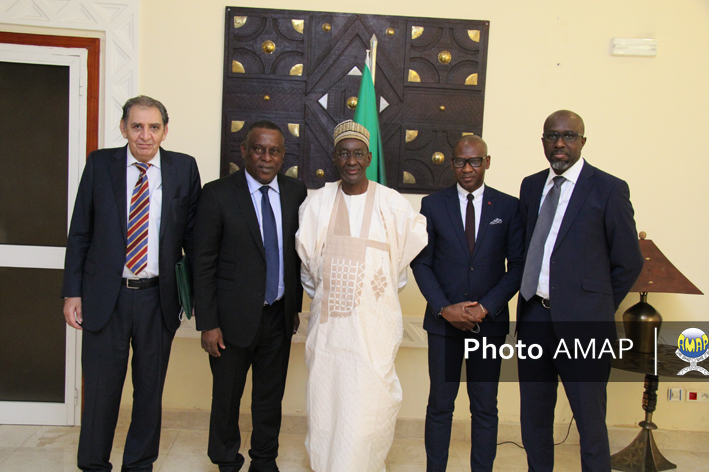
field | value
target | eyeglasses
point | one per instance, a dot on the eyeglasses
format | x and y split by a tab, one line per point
459	162
344	155
567	136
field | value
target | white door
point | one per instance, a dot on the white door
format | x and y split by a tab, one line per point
42	154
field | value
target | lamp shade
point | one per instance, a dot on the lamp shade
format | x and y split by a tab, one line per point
659	275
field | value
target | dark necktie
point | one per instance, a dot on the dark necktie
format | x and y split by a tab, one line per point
470	224
535	253
270	245
138	222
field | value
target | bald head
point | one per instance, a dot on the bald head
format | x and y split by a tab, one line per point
567	116
470	153
563	139
471	140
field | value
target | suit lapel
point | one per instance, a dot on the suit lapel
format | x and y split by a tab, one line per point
487	210
243	200
167	171
583	185
534	203
453	205
117	169
287	206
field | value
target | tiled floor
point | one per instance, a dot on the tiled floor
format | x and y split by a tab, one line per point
53	449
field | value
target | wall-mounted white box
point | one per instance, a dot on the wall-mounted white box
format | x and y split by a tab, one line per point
634	47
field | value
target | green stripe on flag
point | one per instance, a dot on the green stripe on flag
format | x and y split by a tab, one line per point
367	115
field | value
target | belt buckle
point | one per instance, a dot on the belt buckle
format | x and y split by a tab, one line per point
128	283
545	303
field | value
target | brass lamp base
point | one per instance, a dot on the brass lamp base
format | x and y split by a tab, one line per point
640	321
642	455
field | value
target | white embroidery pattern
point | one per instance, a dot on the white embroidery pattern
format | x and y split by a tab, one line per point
379	283
346	278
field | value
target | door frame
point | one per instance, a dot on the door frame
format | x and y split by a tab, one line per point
77	59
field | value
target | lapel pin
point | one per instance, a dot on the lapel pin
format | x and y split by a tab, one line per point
489	203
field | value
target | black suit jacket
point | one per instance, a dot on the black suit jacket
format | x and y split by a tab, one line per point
596	257
96	248
447	273
230	262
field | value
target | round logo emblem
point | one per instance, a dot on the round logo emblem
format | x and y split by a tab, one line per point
693	342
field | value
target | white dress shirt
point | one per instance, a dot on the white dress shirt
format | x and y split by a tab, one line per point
477	204
155	211
274	196
567	189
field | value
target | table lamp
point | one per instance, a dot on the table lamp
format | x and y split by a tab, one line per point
658	275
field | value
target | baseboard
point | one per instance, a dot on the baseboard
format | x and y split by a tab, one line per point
413	428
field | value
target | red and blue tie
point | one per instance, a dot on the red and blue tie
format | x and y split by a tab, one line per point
138	220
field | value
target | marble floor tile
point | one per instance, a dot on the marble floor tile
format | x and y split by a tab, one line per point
292	452
54	437
687	461
510	458
703	456
53	449
15	435
187	463
409	468
119	439
31	459
288	467
190	443
167	438
567	458
5	453
407	452
185	419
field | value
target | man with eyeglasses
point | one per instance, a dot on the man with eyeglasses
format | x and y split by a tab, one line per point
248	294
356	238
582	258
469	271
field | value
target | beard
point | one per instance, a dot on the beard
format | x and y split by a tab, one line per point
560	165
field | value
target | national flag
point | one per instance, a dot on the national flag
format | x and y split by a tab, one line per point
367	115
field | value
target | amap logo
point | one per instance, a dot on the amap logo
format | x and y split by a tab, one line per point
693	347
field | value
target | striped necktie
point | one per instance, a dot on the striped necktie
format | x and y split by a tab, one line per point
137	250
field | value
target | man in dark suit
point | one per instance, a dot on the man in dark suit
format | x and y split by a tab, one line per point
133	216
582	257
248	294
472	231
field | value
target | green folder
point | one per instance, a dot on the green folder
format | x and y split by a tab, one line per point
184	285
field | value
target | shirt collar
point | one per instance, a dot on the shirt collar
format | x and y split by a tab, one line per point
155	161
255	185
463	194
571	174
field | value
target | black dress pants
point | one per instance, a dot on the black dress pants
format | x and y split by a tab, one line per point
136	321
585	382
268	355
445	360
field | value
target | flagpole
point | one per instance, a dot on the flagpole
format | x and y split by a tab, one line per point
373	56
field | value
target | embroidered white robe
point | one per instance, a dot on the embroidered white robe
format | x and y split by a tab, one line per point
355	328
